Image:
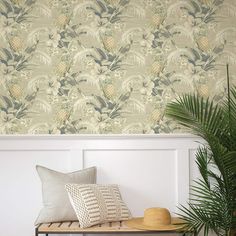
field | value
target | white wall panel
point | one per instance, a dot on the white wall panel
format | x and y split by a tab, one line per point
20	187
193	171
146	178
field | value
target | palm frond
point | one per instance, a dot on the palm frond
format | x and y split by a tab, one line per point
212	205
231	118
199	115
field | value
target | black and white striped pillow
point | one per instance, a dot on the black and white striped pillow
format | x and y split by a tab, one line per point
97	204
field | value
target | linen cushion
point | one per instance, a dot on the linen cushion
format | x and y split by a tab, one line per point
56	204
97	204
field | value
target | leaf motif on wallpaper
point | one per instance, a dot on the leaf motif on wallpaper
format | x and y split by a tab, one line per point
91	32
131	128
69	33
138	127
166	33
91	80
70	126
102	103
14	13
102	5
43	57
135	105
136	9
224	34
164	80
43	9
89	127
108	61
65	80
82	102
175	7
8	103
230	56
17	61
136	57
131	81
230	8
34	34
39	128
187	32
107	14
201	13
110	109
79	8
36	82
222	37
129	35
103	55
175	55
43	105
192	5
181	77
6	56
81	55
16	106
201	60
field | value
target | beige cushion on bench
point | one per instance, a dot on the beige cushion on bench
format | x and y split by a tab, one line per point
56	203
96	203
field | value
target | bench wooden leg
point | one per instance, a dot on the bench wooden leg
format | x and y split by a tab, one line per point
36	231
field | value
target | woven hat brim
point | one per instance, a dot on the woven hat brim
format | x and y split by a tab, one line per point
137	223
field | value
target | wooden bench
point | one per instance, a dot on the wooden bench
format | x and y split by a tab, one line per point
107	228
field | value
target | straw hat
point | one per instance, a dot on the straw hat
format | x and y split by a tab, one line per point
155	219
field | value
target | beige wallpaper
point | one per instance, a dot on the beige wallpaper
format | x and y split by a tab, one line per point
109	66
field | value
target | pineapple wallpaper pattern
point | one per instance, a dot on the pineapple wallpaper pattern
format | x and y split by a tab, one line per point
109	66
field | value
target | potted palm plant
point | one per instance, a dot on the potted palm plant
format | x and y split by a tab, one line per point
212	203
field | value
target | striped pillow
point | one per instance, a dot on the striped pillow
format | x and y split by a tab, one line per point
97	204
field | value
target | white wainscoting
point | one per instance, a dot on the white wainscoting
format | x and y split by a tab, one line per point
151	170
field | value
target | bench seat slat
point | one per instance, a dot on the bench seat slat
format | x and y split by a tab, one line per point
105	225
115	225
74	227
114	228
65	225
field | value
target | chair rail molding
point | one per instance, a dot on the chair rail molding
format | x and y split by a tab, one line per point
151	170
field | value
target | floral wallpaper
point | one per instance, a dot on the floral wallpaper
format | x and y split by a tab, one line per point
109	66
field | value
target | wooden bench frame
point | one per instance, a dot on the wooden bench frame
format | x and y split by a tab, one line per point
107	228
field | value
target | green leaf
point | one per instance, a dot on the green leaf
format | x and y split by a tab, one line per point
7	101
8	54
101	101
213	197
102	6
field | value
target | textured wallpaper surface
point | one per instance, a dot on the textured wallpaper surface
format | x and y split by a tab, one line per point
109	66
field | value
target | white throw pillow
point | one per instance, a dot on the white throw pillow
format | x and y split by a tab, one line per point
96	204
56	204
